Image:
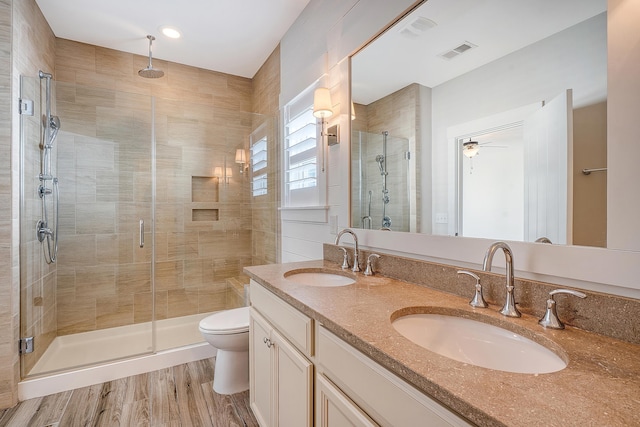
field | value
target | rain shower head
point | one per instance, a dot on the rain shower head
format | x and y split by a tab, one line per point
150	72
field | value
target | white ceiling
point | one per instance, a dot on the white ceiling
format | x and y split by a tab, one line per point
230	36
497	27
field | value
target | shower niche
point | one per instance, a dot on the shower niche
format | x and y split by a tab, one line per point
205	190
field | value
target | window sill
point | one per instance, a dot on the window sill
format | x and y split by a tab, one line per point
304	213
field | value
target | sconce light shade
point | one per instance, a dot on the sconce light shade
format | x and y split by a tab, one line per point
217	172
322	107
229	174
241	156
353	111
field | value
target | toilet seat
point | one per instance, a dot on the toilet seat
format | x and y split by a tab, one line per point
234	321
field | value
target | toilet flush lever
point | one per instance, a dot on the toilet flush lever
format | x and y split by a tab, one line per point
550	319
477	300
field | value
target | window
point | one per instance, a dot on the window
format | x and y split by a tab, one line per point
301	152
259	167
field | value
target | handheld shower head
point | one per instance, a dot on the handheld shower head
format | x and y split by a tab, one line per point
54	127
150	72
380	161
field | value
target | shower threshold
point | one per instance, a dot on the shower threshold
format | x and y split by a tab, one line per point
87	358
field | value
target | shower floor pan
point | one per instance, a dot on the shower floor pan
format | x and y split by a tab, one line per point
87	358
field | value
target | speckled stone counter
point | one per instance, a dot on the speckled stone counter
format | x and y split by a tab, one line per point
599	387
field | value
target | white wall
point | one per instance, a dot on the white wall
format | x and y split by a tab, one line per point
319	43
536	73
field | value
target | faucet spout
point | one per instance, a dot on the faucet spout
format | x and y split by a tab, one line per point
356	264
509	309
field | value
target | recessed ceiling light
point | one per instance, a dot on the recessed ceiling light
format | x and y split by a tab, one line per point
170	32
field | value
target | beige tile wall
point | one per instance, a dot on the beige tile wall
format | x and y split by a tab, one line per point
265	214
28	44
200	119
8	313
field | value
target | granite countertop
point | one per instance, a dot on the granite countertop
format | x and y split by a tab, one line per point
599	387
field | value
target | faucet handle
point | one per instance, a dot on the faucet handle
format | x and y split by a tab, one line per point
477	300
345	258
369	270
550	319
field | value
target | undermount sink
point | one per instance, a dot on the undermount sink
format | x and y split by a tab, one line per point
477	343
320	278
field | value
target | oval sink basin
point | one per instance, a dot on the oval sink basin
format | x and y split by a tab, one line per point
477	343
318	278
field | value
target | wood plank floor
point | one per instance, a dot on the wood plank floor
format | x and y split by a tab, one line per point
180	396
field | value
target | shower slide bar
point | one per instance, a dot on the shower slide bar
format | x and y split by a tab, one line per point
51	127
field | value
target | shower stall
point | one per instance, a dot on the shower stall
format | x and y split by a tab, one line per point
381	185
149	239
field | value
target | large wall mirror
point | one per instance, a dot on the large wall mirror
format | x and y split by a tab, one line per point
484	119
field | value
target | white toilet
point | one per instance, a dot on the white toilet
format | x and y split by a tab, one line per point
228	331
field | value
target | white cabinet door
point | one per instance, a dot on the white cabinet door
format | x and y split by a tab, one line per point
281	378
260	369
335	409
293	385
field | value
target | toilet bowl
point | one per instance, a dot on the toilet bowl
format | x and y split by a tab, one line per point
228	331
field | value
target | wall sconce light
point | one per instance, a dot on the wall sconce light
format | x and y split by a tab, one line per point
223	174
322	109
241	159
353	111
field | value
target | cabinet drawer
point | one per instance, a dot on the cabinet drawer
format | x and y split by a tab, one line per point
385	397
294	325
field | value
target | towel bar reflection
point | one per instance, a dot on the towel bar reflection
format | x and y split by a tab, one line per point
588	171
142	233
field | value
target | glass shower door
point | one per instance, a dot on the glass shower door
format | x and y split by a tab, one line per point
94	303
381	181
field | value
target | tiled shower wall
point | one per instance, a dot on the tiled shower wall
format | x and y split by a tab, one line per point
8	247
264	208
203	223
398	114
27	44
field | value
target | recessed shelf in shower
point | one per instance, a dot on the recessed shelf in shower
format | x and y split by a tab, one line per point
204	189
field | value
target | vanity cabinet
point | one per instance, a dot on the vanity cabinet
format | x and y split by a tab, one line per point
350	389
335	409
281	375
386	398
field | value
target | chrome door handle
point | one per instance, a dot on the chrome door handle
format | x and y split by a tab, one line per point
142	233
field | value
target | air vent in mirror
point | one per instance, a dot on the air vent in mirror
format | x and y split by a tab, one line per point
458	50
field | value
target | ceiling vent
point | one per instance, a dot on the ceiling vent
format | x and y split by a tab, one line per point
459	50
414	28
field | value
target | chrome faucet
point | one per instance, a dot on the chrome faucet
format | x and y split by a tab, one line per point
509	309
356	265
